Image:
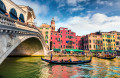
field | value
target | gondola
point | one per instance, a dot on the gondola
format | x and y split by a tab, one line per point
67	62
106	57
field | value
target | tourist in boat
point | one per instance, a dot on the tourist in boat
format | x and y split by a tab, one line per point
70	60
51	56
62	60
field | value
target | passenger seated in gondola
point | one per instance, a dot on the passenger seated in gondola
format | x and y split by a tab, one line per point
70	60
62	60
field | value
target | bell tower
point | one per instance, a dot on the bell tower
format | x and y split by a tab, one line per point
53	24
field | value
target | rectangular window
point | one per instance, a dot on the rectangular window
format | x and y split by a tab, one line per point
51	38
103	40
64	46
90	41
94	46
93	41
90	46
117	43
61	46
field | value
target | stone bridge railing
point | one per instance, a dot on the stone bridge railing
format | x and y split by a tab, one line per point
15	27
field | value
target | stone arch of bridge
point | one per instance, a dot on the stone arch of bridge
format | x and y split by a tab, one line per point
26	40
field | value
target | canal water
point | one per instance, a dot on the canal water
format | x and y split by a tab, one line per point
34	67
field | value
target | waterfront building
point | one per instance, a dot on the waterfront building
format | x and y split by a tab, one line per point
46	31
24	14
108	41
117	39
64	39
92	41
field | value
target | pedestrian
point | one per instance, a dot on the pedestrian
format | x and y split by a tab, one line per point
51	56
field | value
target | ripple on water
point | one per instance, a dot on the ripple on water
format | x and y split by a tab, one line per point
35	68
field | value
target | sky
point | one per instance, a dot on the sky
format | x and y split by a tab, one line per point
81	16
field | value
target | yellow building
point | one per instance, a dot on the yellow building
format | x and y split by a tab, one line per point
46	31
108	41
117	39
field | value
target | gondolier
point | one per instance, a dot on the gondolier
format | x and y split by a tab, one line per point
51	56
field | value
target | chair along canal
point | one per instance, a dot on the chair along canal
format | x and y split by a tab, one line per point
34	67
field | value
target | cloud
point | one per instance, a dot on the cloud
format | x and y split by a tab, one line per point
108	3
77	8
89	24
38	8
74	2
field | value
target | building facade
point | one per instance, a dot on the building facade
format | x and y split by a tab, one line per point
64	39
117	39
91	41
108	41
46	31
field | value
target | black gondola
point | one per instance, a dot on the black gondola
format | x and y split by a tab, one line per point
106	57
67	62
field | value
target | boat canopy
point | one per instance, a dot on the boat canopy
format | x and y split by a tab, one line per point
56	49
75	50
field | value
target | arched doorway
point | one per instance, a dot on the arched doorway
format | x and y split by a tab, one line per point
2	8
21	18
13	14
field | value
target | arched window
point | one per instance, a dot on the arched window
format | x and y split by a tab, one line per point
46	37
46	32
13	14
21	18
2	8
46	41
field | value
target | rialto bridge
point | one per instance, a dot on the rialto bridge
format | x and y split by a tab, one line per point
18	34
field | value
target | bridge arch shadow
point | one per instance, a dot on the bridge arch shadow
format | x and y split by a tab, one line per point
29	47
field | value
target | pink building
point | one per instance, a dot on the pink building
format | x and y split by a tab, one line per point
64	39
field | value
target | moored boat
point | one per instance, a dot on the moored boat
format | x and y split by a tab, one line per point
107	55
67	62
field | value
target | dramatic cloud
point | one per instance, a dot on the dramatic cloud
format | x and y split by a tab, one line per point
77	8
104	2
88	24
74	2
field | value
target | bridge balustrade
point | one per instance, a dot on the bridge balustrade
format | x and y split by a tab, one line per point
7	21
4	20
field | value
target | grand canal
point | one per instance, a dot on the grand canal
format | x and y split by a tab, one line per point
34	67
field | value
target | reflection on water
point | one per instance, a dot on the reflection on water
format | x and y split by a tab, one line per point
33	67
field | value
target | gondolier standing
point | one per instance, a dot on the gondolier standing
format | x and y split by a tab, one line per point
51	56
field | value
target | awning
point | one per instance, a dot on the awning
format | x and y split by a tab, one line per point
96	50
75	50
56	50
111	51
